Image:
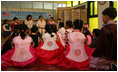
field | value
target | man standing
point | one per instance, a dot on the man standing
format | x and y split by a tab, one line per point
41	25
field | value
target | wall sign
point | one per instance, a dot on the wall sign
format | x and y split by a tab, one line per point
23	14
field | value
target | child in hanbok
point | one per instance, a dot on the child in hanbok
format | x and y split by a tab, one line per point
22	54
77	54
87	33
34	36
69	29
61	33
50	51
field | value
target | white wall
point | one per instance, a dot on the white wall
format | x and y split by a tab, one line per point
100	9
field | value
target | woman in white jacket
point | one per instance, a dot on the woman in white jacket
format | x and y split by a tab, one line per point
41	25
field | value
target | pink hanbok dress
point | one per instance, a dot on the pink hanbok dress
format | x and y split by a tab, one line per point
21	55
50	51
77	54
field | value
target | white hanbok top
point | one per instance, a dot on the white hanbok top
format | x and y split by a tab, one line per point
22	49
49	42
77	51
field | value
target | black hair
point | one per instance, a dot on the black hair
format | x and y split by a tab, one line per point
22	29
61	24
111	12
40	16
15	18
58	19
78	24
69	23
29	16
96	32
52	18
34	29
4	22
16	26
49	29
16	29
54	28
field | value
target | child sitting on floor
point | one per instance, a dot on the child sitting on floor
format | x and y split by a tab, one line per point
34	36
22	54
50	51
95	35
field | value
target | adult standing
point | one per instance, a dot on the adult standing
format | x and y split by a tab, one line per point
41	25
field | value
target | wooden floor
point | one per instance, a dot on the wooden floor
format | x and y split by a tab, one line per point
42	68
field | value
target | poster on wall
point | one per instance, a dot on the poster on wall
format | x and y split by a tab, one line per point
23	14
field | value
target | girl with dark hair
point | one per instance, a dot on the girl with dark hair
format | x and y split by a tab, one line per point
52	22
15	22
35	37
50	51
95	35
69	26
87	33
29	21
22	53
61	33
69	29
77	54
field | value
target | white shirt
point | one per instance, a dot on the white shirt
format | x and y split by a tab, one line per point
62	32
5	29
41	23
29	23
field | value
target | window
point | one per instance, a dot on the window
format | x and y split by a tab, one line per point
75	3
93	23
48	6
91	8
37	5
55	5
3	3
68	3
63	5
59	5
82	2
26	4
95	8
115	6
13	4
